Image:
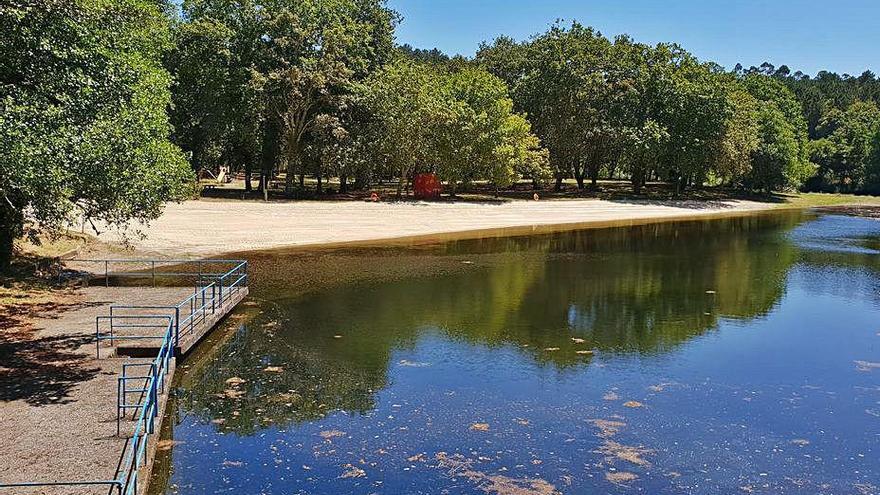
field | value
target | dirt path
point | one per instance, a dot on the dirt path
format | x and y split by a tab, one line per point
210	227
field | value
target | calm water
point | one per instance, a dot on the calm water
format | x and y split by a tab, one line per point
725	356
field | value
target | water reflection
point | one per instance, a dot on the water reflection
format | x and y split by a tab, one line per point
572	330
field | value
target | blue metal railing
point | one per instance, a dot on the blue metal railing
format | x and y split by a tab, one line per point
135	454
211	290
152	268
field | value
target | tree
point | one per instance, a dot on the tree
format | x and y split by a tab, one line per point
402	97
781	159
475	133
83	126
732	160
844	154
313	53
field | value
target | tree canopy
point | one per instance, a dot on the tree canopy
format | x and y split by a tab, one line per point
83	127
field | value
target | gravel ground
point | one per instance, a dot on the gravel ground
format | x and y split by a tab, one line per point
211	227
57	402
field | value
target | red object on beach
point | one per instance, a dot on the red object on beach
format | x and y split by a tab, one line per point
426	186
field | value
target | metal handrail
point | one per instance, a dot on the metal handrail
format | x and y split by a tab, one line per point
151	272
204	296
135	454
149	410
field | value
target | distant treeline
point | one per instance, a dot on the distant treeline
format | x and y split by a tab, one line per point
109	106
318	88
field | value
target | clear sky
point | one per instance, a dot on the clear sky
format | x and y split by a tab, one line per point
807	35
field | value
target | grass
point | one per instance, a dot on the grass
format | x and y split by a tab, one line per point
806	200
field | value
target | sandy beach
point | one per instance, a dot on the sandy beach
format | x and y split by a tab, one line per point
211	227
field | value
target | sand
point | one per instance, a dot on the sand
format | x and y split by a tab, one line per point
212	227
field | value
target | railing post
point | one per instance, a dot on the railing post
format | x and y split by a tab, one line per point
176	328
120	398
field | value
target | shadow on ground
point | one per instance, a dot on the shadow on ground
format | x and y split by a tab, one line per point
39	369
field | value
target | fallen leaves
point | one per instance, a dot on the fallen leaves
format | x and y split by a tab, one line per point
479	427
633	404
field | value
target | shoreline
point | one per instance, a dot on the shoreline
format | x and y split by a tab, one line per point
216	227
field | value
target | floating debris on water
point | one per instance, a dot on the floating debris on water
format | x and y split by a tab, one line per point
163	445
866	365
620	477
633	404
352	471
330	434
611	395
413	364
801	441
273	369
479	427
460	467
607	428
613	450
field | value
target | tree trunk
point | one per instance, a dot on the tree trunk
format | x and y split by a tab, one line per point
400	182
343	184
320	182
638	180
248	170
579	175
10	228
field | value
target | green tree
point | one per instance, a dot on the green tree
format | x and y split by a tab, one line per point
781	159
733	151
475	133
402	97
844	154
83	126
313	54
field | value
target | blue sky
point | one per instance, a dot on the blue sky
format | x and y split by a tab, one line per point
808	35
